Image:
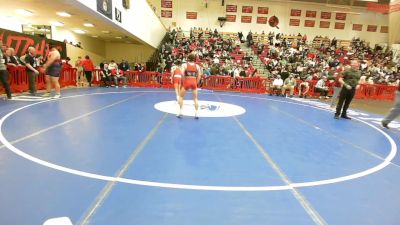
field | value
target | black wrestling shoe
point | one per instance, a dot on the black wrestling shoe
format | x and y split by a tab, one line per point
345	117
336	117
385	125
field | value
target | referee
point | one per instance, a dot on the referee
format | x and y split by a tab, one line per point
395	112
350	85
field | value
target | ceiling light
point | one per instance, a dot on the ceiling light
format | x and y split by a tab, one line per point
118	37
56	23
88	25
24	12
79	31
95	36
106	31
63	14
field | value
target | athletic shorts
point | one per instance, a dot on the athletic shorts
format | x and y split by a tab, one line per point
190	83
177	79
54	70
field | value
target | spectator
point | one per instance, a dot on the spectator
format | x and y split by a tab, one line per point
118	76
3	71
124	66
88	67
304	85
105	75
80	78
112	66
289	84
66	64
322	88
276	85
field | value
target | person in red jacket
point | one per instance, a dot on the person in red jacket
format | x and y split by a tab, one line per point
88	67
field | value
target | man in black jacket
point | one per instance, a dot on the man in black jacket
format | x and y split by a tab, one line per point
350	85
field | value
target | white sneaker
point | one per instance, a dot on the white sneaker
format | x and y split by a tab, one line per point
57	96
46	95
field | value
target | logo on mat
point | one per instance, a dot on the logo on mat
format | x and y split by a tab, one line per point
206	108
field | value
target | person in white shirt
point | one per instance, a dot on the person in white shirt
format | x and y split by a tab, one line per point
322	88
112	65
216	60
276	85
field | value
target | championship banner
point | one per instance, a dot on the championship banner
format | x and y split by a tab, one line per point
384	29
166	13
309	23
262	20
357	27
166	4
21	42
294	22
326	15
324	24
263	10
231	8
339	26
341	16
311	14
295	12
247	9
230	18
191	15
246	19
372	28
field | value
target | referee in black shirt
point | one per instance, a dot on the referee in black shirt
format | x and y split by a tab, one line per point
350	85
31	71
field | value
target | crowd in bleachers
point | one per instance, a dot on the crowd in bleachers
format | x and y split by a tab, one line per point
308	63
216	55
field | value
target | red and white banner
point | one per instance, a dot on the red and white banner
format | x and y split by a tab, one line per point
263	10
231	8
339	26
341	16
372	28
294	22
191	15
246	19
295	12
230	18
166	13
383	8
324	24
309	23
384	29
166	4
247	9
311	14
326	15
262	20
357	27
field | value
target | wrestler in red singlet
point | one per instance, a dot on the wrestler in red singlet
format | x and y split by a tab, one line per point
192	77
177	74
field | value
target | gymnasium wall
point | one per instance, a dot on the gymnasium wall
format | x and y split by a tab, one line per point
130	52
139	20
207	17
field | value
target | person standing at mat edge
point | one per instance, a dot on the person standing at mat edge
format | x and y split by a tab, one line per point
394	112
53	72
192	73
88	67
3	71
31	70
350	85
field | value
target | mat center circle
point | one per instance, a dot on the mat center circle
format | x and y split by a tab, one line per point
206	108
